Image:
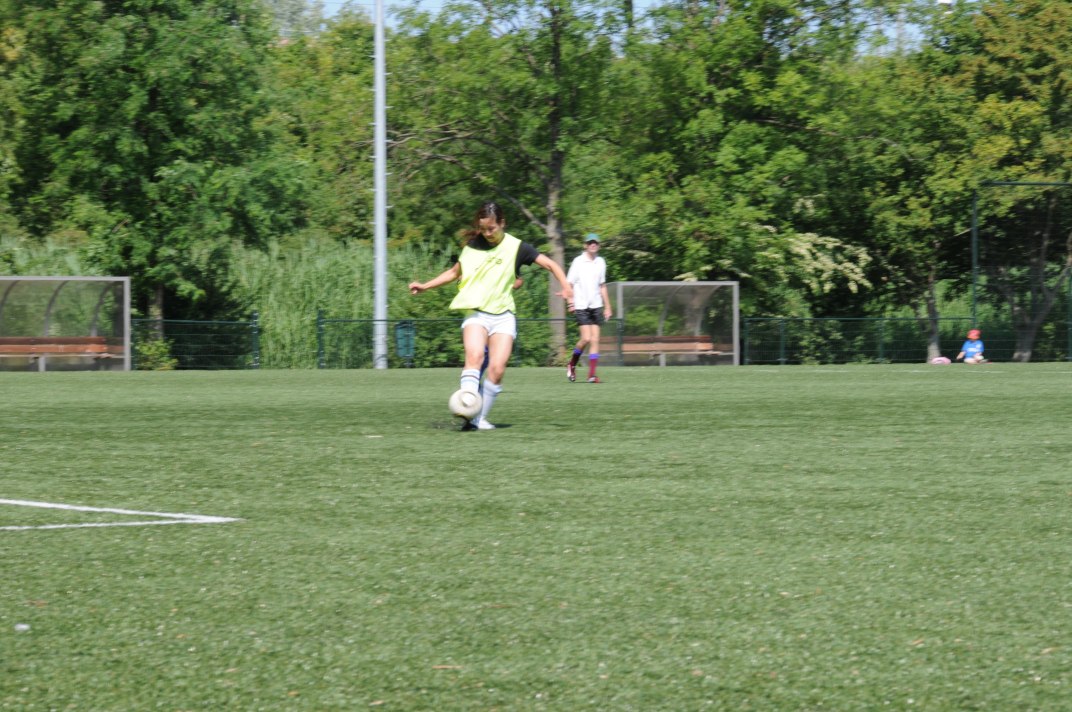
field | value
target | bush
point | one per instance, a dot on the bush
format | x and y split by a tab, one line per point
154	355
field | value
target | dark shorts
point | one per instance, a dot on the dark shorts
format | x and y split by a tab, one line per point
589	317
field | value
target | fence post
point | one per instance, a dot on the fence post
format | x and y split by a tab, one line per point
881	339
619	324
255	326
747	358
320	338
406	341
781	341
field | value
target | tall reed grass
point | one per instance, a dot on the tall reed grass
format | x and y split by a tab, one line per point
288	283
51	256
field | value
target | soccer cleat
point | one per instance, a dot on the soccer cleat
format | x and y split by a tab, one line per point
571	373
594	379
483	425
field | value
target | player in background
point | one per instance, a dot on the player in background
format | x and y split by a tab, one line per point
591	304
487	268
972	350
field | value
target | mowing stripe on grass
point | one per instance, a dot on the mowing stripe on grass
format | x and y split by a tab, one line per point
164	517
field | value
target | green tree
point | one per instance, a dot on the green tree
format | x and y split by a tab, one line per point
145	139
711	173
498	95
12	39
323	105
1017	57
296	18
879	132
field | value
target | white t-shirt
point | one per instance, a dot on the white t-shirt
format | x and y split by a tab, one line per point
587	275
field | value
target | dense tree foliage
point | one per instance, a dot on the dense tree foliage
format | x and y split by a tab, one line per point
825	153
142	137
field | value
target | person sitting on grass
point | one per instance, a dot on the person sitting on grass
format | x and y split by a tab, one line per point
972	350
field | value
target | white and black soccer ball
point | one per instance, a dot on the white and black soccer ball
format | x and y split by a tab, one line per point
465	404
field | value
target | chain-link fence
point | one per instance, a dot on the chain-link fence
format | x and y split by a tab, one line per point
427	343
861	340
190	345
436	343
885	340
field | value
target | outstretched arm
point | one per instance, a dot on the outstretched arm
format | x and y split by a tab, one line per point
445	277
551	266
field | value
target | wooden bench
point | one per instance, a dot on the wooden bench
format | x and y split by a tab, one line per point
659	347
39	348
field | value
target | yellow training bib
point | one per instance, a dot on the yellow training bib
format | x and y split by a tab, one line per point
487	279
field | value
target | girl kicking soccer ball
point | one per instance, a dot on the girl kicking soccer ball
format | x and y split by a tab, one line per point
490	261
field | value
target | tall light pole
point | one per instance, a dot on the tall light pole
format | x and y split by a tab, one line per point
379	215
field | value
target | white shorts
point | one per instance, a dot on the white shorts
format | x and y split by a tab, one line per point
505	323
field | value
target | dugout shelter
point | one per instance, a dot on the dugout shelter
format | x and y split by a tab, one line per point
64	323
673	324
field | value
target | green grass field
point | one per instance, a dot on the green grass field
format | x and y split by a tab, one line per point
795	538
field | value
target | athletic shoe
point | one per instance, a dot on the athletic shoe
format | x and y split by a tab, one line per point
594	379
571	373
483	425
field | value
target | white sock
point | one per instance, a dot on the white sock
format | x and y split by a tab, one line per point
470	380
491	392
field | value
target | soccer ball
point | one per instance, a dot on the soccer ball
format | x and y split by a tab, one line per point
465	404
940	361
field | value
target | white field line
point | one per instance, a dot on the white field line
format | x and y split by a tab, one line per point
163	517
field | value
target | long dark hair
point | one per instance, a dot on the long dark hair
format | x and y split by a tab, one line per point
490	209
